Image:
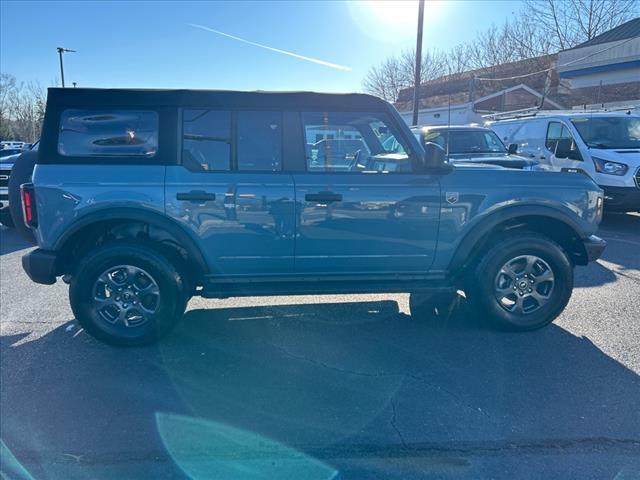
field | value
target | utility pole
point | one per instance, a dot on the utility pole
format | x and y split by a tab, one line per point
62	50
416	82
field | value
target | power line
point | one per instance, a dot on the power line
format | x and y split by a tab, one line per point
515	77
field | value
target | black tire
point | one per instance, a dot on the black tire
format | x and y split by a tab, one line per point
21	173
488	283
431	305
5	219
169	303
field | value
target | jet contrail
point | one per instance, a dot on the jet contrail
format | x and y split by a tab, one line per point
291	54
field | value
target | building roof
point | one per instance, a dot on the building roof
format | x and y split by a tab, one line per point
627	30
461	87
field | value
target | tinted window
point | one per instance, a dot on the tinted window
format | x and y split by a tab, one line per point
556	132
206	143
259	141
609	132
466	141
87	133
353	142
531	131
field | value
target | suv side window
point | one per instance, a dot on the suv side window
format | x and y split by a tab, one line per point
206	140
259	141
353	142
108	133
208	143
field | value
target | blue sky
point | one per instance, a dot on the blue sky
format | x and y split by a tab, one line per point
156	45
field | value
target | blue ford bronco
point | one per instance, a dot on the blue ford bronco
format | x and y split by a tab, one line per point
141	199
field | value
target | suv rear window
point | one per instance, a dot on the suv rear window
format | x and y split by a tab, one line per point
99	133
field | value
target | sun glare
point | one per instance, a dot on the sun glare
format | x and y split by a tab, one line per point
399	12
391	20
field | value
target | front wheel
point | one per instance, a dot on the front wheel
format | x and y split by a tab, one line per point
523	282
127	294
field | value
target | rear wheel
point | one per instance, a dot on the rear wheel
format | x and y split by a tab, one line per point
523	282
127	294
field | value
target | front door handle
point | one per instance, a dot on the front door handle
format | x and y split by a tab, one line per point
323	197
196	196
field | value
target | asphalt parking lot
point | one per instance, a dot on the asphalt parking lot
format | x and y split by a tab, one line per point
315	387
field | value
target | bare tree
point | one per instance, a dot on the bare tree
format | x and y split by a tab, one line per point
566	23
397	73
7	89
387	79
22	107
457	60
541	27
524	37
432	65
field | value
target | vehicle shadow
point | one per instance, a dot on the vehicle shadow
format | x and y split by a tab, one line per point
622	233
11	241
362	387
620	222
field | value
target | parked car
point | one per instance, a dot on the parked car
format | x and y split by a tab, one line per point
8	144
602	145
7	159
179	193
7	163
473	144
7	152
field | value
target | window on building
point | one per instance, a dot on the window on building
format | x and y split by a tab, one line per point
108	133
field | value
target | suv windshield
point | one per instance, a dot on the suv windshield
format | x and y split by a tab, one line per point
609	132
467	141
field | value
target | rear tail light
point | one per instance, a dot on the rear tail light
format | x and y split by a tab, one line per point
29	205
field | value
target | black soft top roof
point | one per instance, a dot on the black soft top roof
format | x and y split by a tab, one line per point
65	97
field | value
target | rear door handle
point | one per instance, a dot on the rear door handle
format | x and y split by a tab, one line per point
196	196
323	197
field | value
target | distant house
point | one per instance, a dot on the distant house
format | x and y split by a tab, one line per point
604	70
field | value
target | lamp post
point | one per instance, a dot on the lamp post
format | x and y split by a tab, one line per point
62	50
416	83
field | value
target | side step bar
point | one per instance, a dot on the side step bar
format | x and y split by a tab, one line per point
262	287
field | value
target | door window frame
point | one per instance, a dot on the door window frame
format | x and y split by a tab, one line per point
566	127
233	134
389	120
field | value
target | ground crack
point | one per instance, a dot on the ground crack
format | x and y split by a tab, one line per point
419	378
394	426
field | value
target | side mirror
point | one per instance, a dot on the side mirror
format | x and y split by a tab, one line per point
512	149
434	155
